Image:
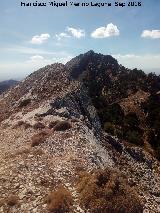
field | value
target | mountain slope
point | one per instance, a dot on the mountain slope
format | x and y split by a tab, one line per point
52	137
5	85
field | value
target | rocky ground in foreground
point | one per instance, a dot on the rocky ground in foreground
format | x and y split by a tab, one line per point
31	172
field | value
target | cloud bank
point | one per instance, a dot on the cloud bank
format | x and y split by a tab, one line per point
153	34
77	33
61	36
40	39
105	32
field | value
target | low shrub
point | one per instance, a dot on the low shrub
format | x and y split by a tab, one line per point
23	151
24	103
111	113
52	124
39	138
62	126
38	125
12	200
60	201
157	152
22	123
109	128
134	137
19	123
2	202
107	191
151	138
27	125
131	119
38	152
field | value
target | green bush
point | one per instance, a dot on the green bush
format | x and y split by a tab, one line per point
119	133
158	152
109	127
24	103
62	126
131	119
151	138
112	113
134	137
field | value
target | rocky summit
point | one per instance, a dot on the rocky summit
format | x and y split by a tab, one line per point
81	137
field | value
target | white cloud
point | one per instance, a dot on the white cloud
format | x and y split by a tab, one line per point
40	39
104	32
69	33
153	34
36	58
62	35
77	33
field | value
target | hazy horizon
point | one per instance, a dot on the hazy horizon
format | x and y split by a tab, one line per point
23	75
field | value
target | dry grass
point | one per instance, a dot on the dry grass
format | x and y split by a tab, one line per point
12	200
18	124
2	202
106	191
52	124
27	125
37	118
38	151
23	151
60	201
22	123
66	135
62	126
24	103
38	125
39	138
19	152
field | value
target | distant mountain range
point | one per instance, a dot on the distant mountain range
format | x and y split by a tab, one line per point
5	85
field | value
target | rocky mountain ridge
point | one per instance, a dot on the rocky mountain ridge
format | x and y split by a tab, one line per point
52	138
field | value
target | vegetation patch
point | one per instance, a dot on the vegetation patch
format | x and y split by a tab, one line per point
152	109
24	103
38	125
60	201
62	126
52	124
39	138
20	123
107	191
125	127
12	200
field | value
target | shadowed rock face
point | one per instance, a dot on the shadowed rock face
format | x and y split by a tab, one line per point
90	62
5	85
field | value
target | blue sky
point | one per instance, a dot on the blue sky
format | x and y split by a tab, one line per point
31	37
